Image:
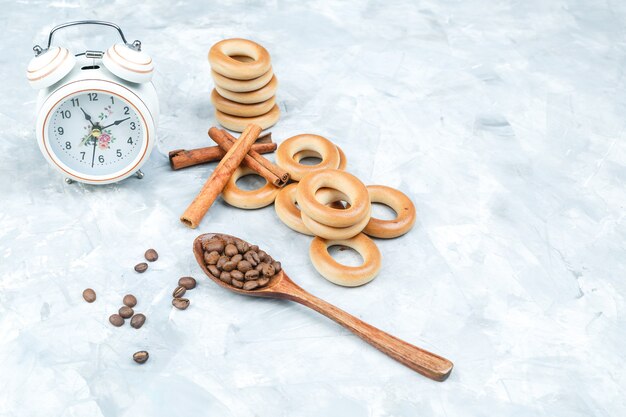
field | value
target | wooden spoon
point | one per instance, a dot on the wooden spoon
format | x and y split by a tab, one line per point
281	286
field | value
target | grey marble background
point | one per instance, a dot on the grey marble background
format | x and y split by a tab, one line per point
505	123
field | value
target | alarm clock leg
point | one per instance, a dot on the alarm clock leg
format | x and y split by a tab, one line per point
139	174
69	181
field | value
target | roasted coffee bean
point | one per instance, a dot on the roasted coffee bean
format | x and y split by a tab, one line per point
89	295
237	275
221	261
250	285
242	246
141	268
225	277
179	292
254	248
180	303
230	250
214	270
211	258
138	320
263	282
244	266
236	258
268	270
141	356
126	312
216	245
262	256
252	257
151	255
277	266
251	274
187	282
237	283
260	266
116	320
129	300
229	266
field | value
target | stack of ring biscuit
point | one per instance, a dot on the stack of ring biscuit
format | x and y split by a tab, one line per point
245	85
320	194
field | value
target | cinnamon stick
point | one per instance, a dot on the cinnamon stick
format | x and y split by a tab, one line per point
220	138
220	176
182	158
278	171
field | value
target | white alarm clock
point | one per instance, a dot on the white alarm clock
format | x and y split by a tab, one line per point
97	111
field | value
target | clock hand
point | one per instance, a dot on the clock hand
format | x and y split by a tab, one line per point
117	122
87	117
93	155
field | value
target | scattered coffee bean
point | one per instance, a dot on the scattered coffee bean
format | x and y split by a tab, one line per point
141	267
187	282
236	258
237	283
216	245
141	356
138	320
126	312
151	255
238	275
230	250
179	292
250	285
129	300
180	303
116	320
89	295
211	258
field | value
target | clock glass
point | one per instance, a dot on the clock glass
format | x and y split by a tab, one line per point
95	132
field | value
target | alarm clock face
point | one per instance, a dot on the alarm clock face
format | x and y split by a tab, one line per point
95	132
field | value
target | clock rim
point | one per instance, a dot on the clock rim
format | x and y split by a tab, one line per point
97	85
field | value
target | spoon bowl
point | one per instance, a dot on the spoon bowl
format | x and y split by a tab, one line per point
281	286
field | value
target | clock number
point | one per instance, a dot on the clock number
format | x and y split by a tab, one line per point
60	130
126	110
130	141
75	102
68	145
119	153
66	114
93	96
82	156
101	159
133	126
112	100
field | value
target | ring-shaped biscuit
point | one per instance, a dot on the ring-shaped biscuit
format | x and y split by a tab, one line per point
329	232
347	276
243	110
354	190
238	124
343	161
242	86
288	212
221	59
262	94
316	145
400	203
248	199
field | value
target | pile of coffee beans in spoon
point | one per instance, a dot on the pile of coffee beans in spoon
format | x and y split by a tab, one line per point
237	263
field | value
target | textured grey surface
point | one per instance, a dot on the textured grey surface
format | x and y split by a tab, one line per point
504	121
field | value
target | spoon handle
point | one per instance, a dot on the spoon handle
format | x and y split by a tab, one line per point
420	360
